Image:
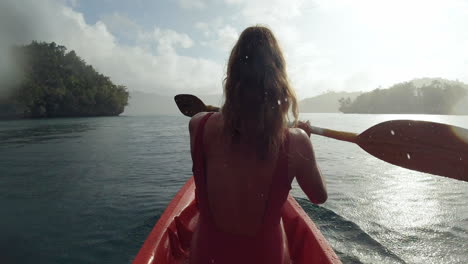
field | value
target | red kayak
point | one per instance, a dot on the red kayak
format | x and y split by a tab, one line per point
169	241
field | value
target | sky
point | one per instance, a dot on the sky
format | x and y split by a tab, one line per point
182	46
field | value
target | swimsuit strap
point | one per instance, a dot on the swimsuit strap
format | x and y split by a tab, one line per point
198	149
198	157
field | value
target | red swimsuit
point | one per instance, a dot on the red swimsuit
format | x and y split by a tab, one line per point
269	245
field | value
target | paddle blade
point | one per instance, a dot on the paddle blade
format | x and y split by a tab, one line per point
189	105
429	147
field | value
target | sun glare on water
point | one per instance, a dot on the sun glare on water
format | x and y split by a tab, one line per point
430	118
409	200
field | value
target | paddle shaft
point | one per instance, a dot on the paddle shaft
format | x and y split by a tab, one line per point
429	147
339	135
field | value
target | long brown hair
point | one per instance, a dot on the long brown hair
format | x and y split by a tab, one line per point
257	92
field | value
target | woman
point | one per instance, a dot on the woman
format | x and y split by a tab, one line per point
245	158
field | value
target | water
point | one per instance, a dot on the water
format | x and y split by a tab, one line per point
89	190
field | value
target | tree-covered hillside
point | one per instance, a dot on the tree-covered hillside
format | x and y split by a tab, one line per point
325	103
57	83
424	96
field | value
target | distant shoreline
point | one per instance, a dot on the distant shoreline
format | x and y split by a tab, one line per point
382	113
55	117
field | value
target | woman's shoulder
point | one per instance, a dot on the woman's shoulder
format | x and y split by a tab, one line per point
297	135
195	120
299	142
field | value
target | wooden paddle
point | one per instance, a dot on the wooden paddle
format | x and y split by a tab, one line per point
423	146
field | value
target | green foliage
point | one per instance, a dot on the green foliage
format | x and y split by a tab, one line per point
436	97
61	84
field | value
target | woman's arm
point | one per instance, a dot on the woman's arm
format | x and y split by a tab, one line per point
308	174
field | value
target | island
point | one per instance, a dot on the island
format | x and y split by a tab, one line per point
57	83
420	96
327	102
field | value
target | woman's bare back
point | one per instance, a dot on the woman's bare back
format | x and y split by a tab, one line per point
238	183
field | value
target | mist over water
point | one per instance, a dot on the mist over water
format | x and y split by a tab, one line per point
89	190
17	26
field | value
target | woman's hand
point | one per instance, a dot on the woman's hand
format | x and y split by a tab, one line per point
305	126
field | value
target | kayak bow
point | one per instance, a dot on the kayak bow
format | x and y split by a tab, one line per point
169	241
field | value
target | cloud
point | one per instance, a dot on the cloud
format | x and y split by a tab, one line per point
226	37
121	26
153	66
361	44
166	39
307	63
218	35
72	3
189	4
328	44
268	11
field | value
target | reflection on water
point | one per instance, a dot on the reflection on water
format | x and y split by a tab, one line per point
419	217
351	243
90	191
432	118
38	132
401	193
90	195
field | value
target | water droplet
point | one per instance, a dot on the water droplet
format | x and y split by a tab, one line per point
279	102
392	132
408	156
460	158
246	57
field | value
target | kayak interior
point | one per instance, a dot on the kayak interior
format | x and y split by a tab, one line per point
169	241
